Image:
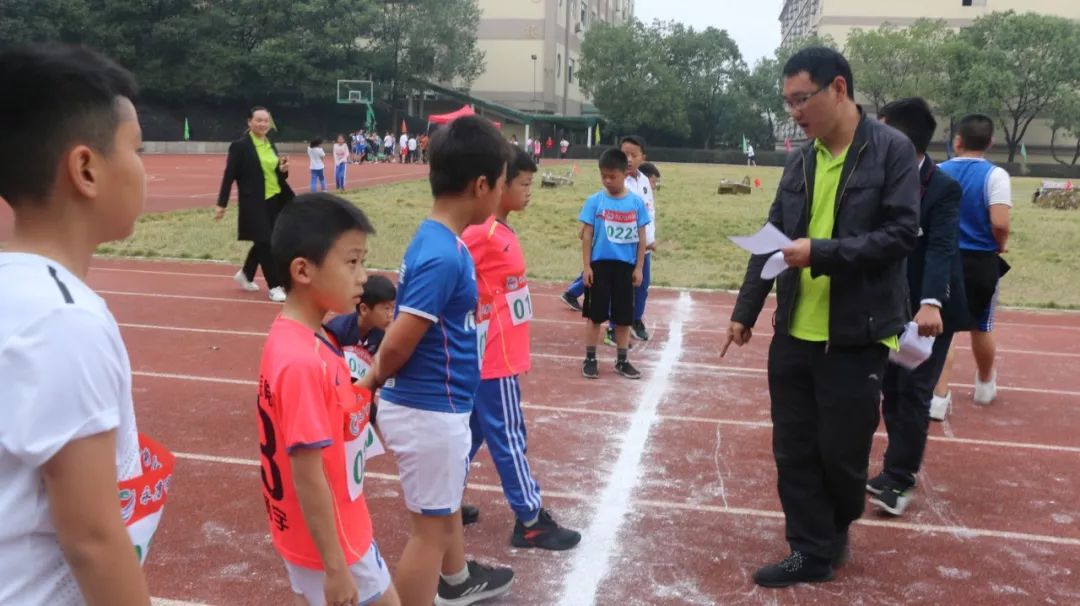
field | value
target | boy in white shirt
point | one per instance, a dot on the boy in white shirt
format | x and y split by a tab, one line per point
70	169
316	154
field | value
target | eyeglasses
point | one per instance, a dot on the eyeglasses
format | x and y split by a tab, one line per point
799	102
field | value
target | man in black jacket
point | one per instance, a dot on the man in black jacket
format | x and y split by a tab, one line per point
936	283
850	201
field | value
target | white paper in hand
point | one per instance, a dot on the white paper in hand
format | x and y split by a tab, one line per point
767	240
914	350
774	266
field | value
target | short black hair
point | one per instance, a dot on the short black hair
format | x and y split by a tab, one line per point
461	152
914	118
309	226
378	289
637	140
257	108
823	64
614	159
976	131
316	142
55	97
649	170
519	162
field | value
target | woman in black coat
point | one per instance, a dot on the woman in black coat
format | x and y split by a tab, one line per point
263	190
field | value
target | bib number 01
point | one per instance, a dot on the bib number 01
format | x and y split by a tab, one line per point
520	303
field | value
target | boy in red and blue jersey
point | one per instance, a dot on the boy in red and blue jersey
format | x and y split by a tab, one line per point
497	417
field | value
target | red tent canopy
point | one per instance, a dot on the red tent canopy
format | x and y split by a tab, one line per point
466	110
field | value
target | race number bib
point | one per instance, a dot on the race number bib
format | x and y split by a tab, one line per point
621	231
359	362
142	499
361	444
520	303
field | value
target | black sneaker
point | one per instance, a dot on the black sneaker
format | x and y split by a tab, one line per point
626	369
637	331
470	514
796	568
484	582
590	368
571	302
842	551
892	500
878	484
545	534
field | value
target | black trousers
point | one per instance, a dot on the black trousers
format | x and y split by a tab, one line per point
260	253
825	409
906	408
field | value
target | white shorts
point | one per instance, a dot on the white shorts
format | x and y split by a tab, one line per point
370	572
432	453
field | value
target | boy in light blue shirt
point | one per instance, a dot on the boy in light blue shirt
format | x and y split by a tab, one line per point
613	256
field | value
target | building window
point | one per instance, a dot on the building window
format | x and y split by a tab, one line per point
558	65
584	14
973	2
570	71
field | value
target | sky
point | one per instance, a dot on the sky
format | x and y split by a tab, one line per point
754	24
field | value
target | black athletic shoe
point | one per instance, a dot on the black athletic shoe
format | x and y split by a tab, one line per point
470	514
484	582
841	552
892	500
796	568
590	368
877	484
544	534
637	331
571	302
626	369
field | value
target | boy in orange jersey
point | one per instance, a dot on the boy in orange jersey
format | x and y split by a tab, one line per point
312	419
497	417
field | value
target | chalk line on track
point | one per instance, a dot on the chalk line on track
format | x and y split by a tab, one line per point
600	539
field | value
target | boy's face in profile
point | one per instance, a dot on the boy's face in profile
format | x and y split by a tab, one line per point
380	315
338	282
121	176
614	180
652	182
518	192
634	157
488	196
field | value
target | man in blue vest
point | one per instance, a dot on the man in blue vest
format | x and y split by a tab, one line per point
984	235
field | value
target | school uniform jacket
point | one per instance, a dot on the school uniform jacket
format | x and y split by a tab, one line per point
255	222
935	270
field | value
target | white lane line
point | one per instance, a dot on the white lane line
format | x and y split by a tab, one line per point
165	602
676	418
600	541
661	505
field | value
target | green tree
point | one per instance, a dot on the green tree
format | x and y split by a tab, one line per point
892	63
1015	68
1066	119
29	21
709	69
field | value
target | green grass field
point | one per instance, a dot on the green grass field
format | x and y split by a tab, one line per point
693	225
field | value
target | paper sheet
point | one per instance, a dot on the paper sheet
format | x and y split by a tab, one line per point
914	350
774	266
767	240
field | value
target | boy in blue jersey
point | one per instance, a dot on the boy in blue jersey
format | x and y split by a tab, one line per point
361	333
984	236
429	369
613	255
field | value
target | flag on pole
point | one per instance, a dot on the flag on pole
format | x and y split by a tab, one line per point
187	131
744	144
1023	152
597	133
370	117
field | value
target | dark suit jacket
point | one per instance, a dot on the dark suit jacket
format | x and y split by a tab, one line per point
256	221
934	269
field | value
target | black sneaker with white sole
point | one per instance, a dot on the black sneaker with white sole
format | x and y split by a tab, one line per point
626	369
590	368
796	568
571	302
892	500
877	484
637	331
484	583
470	514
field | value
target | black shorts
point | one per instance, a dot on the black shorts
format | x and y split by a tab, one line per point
982	270
611	294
